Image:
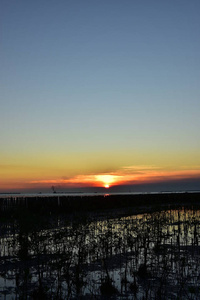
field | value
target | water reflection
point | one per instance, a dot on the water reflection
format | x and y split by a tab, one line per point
151	256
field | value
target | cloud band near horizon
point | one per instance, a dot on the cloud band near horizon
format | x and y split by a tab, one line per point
131	175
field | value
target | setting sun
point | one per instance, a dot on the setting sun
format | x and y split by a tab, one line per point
106	179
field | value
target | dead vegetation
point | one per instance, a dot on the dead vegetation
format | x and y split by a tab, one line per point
82	256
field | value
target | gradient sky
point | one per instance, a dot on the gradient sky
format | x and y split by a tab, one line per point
98	88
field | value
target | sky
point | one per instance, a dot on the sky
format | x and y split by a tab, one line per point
99	93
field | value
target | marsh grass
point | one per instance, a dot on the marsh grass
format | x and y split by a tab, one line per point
54	255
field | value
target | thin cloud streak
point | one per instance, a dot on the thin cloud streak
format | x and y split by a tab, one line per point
127	175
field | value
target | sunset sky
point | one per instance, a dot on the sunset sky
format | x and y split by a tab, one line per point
99	93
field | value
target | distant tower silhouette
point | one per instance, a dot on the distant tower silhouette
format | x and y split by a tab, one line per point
53	189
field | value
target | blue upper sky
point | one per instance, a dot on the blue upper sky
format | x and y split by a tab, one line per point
93	76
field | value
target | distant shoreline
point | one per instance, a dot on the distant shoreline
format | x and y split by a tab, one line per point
86	194
64	204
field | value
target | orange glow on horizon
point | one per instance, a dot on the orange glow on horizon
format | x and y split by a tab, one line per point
127	175
130	175
106	180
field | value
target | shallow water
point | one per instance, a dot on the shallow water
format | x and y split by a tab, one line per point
146	255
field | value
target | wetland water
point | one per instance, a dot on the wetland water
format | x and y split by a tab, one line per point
153	255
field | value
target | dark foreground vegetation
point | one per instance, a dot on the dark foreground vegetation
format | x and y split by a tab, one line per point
114	247
69	204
